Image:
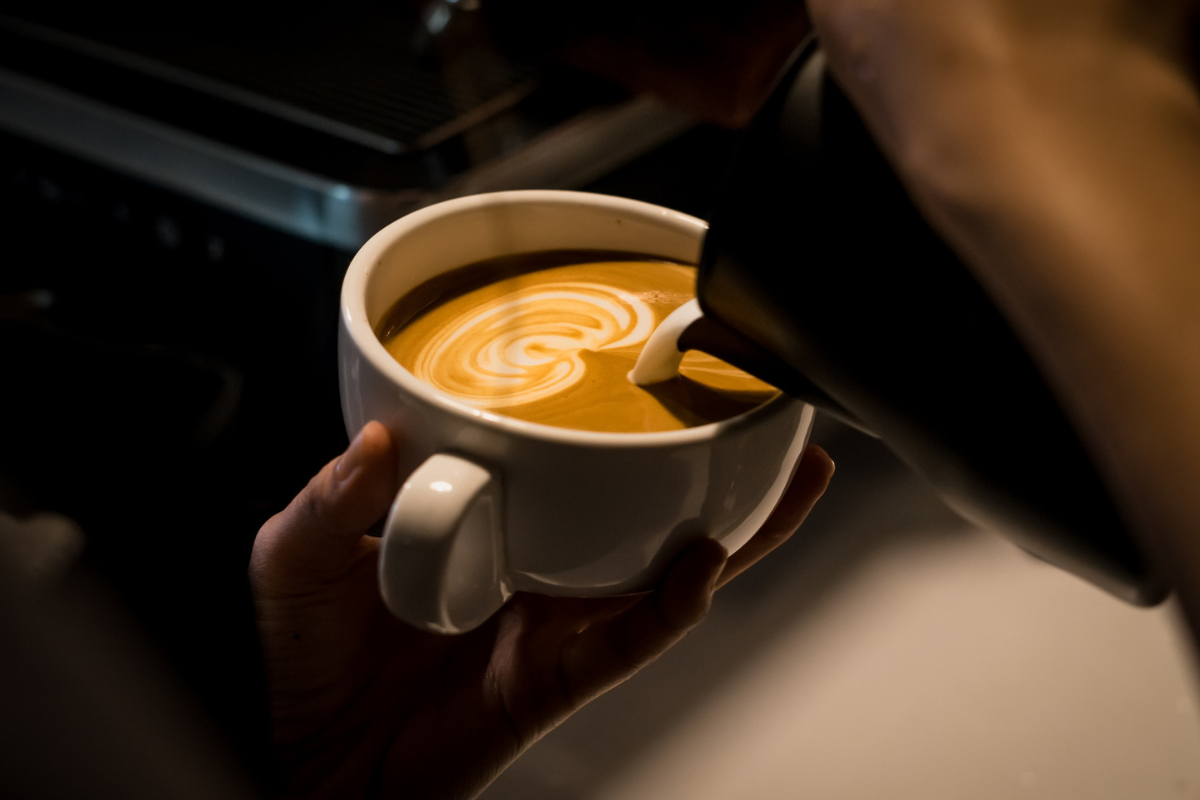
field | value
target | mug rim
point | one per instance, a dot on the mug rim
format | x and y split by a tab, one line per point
370	255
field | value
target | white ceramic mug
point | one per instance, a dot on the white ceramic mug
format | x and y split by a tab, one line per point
492	505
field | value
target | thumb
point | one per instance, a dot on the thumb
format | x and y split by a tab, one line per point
318	535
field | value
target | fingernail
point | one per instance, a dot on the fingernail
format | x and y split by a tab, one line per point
350	461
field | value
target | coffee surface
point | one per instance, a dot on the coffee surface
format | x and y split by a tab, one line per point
541	340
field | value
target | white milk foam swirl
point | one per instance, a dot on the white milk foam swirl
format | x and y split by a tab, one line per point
525	346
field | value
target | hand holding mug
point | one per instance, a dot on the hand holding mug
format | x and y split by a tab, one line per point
366	705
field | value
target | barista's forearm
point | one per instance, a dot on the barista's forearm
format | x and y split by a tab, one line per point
1071	184
1084	222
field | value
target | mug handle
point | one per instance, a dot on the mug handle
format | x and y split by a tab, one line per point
441	565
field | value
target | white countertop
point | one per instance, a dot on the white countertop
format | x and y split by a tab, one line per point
892	650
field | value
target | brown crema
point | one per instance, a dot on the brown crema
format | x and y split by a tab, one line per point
551	338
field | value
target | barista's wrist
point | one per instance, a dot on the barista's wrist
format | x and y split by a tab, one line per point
947	87
1046	126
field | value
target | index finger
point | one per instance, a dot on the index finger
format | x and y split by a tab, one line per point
320	530
807	485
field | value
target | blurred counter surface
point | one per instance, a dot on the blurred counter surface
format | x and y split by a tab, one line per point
892	650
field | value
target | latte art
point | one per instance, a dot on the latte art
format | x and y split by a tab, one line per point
555	345
525	346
